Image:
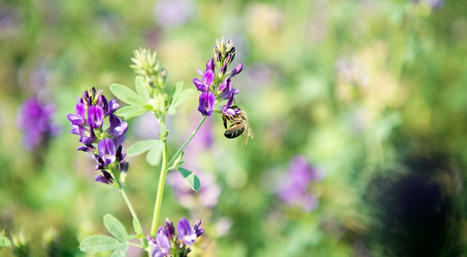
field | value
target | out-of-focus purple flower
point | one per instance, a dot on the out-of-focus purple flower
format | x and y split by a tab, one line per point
105	145
295	189
202	140
174	13
207	100
35	120
351	71
147	126
10	20
434	4
207	196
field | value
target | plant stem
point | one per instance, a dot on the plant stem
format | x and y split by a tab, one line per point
182	147
163	173
164	169
130	207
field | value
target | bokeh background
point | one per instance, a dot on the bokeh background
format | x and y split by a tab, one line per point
367	96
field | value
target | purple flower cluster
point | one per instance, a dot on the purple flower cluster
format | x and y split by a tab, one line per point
166	242
216	82
35	120
105	145
295	189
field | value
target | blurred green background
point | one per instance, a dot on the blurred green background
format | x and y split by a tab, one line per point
360	88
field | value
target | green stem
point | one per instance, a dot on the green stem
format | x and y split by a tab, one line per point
182	147
164	169
132	211
163	173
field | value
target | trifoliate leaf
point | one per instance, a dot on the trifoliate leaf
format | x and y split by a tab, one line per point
191	178
115	227
141	147
142	89
125	94
153	157
128	112
99	243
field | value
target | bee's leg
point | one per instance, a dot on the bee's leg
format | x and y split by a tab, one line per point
225	121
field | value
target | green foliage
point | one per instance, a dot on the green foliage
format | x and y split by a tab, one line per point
178	96
126	95
115	227
142	89
153	148
128	112
4	241
137	227
142	146
153	157
190	178
99	243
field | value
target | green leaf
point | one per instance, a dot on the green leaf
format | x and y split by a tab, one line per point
131	111
120	252
115	227
137	227
141	89
125	94
191	178
99	243
141	147
131	237
153	157
4	242
178	96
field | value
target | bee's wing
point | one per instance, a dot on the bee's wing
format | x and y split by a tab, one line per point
249	133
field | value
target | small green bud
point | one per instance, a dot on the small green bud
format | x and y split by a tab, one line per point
146	64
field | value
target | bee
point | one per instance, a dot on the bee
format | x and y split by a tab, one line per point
239	125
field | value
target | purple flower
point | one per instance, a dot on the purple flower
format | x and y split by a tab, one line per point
95	116
104	145
236	70
106	149
185	232
207	77
169	229
199	231
105	178
35	120
295	186
161	244
165	239
207	101
218	86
